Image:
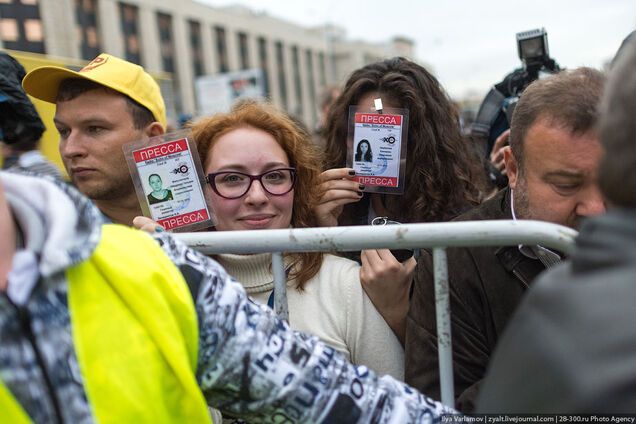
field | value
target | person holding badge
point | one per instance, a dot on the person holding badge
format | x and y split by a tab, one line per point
262	171
108	103
438	183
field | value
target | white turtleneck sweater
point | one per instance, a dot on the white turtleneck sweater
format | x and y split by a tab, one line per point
332	306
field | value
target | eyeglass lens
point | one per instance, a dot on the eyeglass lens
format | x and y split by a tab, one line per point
236	184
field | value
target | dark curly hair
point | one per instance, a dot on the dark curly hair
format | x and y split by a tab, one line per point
440	169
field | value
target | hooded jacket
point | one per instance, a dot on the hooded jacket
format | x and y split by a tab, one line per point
249	364
571	346
19	121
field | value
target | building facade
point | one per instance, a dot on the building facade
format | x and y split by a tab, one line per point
184	39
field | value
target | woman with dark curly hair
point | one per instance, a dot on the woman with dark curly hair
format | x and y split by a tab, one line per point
439	181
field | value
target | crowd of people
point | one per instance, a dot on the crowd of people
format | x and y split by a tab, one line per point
104	316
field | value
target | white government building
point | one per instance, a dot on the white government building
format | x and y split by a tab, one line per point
182	40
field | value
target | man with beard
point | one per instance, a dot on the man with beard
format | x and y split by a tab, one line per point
572	331
551	164
108	103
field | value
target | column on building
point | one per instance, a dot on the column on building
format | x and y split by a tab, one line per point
253	52
58	27
110	27
150	45
185	73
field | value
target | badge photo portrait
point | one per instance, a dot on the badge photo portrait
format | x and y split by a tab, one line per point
363	151
157	194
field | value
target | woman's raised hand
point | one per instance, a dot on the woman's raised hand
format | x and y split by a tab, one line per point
146	224
387	282
337	188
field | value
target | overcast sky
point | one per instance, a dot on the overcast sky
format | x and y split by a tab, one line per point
470	44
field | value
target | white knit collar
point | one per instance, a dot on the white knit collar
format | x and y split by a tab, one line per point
253	271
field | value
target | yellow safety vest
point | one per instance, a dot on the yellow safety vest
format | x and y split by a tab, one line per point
135	333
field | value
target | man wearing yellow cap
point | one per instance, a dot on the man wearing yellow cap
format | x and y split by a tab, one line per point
108	103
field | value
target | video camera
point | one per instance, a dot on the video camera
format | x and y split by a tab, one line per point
532	47
495	112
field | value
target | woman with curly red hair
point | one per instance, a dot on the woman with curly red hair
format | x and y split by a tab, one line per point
262	173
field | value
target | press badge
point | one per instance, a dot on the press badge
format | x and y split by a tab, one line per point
168	179
377	147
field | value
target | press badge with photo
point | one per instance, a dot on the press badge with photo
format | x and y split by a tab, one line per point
377	148
168	179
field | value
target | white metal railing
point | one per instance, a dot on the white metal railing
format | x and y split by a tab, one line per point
437	236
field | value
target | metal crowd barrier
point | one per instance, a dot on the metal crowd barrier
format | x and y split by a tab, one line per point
437	236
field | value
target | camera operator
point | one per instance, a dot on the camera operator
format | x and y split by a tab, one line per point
495	113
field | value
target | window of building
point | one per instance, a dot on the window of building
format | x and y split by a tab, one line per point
322	70
309	61
33	30
129	17
243	50
166	41
297	81
9	29
221	49
21	25
86	20
262	61
195	48
282	81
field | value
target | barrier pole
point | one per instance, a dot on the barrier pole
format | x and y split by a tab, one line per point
442	314
406	236
280	287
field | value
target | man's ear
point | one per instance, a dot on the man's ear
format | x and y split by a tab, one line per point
512	167
154	129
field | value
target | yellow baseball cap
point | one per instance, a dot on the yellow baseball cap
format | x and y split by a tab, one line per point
127	78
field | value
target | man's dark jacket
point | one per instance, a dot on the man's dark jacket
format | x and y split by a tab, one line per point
486	285
571	346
